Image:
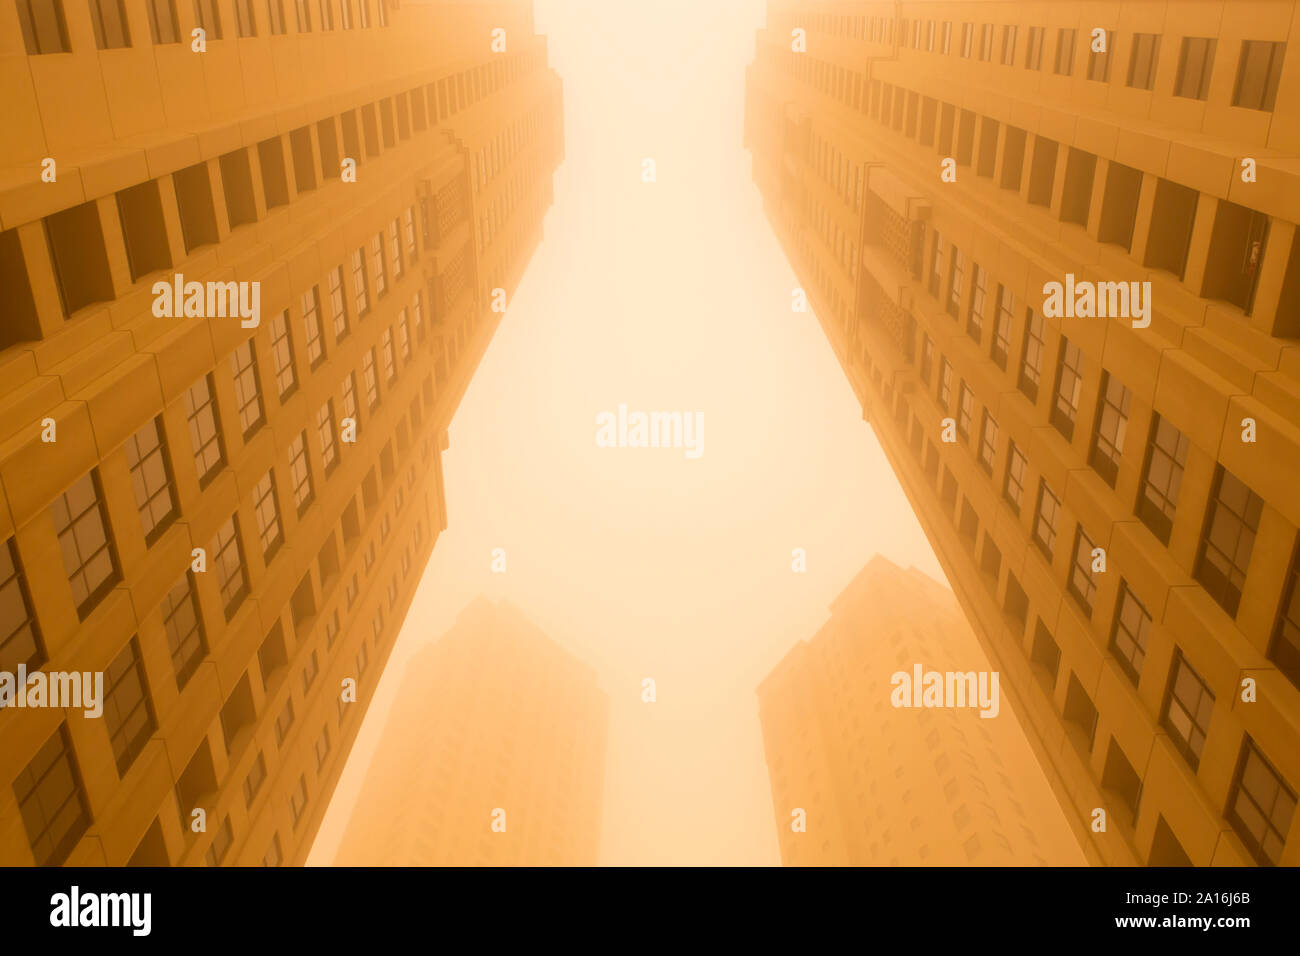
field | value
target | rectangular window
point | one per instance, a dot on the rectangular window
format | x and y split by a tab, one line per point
338	305
1031	362
275	15
1082	586
253	782
927	358
1142	61
1128	634
956	279
1013	488
1228	539
245	19
300	473
89	559
988	442
302	15
372	381
108	17
1001	345
298	799
381	268
286	377
1189	705
44	28
979	294
390	360
1099	60
404	336
163	26
248	390
350	409
1195	63
1162	477
226	558
274	857
322	748
309	672
325	435
967	40
208	16
361	291
1261	806
128	713
936	263
184	626
20	640
1034	49
1065	40
1284	651
1258	74
1069	382
205	429
52	801
1009	44
315	336
945	384
965	412
408	221
267	510
1046	519
1112	423
395	249
325	9
151	479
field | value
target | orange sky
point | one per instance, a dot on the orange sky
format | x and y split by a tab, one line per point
671	296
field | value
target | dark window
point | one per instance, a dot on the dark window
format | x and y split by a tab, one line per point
1099	63
965	412
226	555
205	429
1046	519
1031	362
222	841
1228	538
1082	587
1069	382
1142	61
286	376
108	17
208	16
51	800
43	26
1080	712
128	714
1112	422
1261	806
1013	488
80	258
267	510
1001	345
988	442
88	555
151	479
162	21
20	638
184	626
1128	635
1195	64
1065	40
1162	477
1258	74
248	390
1189	704
1285	649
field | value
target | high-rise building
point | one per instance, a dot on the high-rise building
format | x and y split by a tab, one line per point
493	754
864	773
1109	484
226	512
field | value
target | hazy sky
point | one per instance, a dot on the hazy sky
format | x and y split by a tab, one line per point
671	296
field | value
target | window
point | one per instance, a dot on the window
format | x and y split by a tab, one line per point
1080	712
927	358
1162	477
20	641
979	293
184	626
266	508
1261	806
248	391
965	412
205	429
208	16
404	336
108	17
1034	49
390	361
956	270
253	782
311	325
1045	521
967	40
1013	488
1065	40
43	26
298	799
151	479
1099	62
300	473
325	435
275	15
1128	635
1009	44
395	248
1189	705
372	382
1284	652
286	378
322	748
1082	587
51	800
988	442
284	722
128	714
1045	654
350	397
946	46
381	273
1001	345
273	855
1069	381
1258	74
1194	67
302	14
945	384
338	305
226	557
936	263
408	222
1112	422
360	289
163	25
1228	539
310	671
89	560
245	20
1142	62
1031	362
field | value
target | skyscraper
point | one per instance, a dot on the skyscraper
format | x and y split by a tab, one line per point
222	495
1054	249
880	781
493	754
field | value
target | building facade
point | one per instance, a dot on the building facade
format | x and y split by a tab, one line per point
227	514
881	781
1109	488
493	754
